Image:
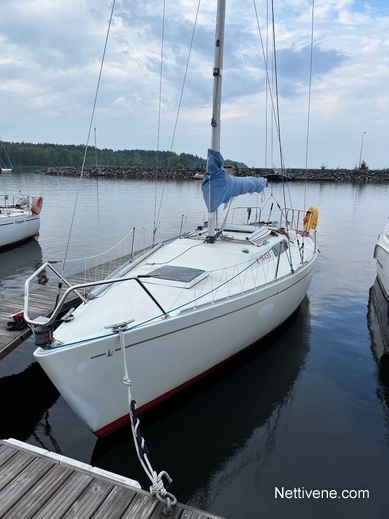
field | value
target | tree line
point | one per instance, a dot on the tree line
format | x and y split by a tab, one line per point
61	155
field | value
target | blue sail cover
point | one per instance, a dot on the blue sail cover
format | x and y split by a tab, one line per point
219	187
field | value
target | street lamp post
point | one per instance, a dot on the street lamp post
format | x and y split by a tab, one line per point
360	154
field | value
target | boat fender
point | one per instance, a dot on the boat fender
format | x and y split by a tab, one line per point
311	218
36	206
142	447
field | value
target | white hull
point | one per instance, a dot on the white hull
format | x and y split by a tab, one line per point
19	219
381	254
17	226
164	354
185	308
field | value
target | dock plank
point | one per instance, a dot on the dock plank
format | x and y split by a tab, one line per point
90	500
22	483
40	493
115	504
63	497
37	484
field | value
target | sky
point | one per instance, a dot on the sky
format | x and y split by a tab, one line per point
332	61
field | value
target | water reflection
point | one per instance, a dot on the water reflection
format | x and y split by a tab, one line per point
16	264
24	407
378	324
209	437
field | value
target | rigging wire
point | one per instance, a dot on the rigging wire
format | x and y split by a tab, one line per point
185	74
7	156
180	99
272	91
156	216
309	98
89	134
274	98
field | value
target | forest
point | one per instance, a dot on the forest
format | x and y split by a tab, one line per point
21	154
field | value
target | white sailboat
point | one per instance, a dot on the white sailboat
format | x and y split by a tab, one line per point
19	214
381	255
19	219
4	168
182	308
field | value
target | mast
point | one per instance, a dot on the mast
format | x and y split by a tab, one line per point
7	156
217	91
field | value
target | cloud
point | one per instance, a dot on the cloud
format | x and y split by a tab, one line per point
51	60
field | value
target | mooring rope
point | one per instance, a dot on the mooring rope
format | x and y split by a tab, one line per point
157	487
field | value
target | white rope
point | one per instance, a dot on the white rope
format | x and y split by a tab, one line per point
157	487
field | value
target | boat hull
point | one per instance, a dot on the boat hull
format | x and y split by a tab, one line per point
17	227
381	254
165	357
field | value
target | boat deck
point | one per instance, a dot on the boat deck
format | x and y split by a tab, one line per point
37	483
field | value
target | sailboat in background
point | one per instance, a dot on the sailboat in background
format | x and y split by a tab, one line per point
4	168
19	214
19	219
180	309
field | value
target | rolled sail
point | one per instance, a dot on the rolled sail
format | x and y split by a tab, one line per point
219	187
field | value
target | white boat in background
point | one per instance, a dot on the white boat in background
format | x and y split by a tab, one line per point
19	218
228	167
199	175
3	166
19	214
182	308
381	255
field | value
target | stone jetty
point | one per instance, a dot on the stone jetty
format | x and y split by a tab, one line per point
185	173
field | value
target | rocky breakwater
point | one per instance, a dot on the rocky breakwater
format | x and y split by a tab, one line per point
342	175
122	172
185	173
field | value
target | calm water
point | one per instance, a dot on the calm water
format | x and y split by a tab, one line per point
307	409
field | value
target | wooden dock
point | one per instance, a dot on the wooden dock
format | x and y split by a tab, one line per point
9	340
35	483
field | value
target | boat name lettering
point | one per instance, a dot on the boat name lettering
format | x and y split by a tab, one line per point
20	221
264	257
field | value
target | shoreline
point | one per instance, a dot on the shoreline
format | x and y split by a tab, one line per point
185	173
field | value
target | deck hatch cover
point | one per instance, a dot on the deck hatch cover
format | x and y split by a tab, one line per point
177	276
